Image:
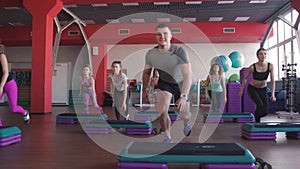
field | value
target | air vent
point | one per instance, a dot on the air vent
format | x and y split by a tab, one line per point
123	31
228	30
73	33
176	30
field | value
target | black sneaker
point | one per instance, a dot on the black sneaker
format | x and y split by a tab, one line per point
26	117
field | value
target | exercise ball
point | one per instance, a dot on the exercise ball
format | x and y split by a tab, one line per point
234	78
237	59
224	61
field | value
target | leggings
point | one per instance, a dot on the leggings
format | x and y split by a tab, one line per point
11	90
217	102
260	97
87	96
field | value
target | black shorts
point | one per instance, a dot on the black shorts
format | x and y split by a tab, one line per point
173	88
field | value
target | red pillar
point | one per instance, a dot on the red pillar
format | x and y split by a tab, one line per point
43	13
99	63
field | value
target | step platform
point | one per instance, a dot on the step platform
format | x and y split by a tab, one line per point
147	115
268	130
73	118
105	126
9	135
152	155
239	117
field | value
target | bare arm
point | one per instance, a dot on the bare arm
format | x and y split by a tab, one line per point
244	80
93	85
224	87
207	82
4	66
145	79
187	78
112	89
125	91
272	85
81	87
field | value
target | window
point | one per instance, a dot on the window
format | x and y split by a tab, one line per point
284	45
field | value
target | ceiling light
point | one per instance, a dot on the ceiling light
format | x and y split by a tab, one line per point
193	2
138	20
16	24
189	19
161	3
99	5
163	20
215	19
11	8
70	6
225	2
257	1
112	21
131	4
242	18
89	21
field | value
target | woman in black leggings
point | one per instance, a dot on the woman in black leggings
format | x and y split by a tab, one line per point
257	88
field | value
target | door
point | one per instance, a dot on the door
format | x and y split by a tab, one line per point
60	83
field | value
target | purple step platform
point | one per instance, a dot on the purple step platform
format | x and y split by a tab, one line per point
214	120
259	135
66	121
244	120
97	130
145	118
10	140
139	131
142	165
228	166
142	118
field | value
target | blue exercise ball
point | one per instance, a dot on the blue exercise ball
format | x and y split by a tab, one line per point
224	61
237	59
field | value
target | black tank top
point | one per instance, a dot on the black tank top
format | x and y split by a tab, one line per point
1	74
261	75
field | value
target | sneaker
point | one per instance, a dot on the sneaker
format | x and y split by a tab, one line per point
167	140
26	117
127	117
187	129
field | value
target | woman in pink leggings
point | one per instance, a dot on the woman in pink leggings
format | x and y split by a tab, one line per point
9	86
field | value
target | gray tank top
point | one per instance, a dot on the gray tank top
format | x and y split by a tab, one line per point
168	63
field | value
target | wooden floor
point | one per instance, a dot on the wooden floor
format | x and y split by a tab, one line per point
47	145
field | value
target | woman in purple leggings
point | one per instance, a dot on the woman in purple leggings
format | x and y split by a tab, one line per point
9	87
87	89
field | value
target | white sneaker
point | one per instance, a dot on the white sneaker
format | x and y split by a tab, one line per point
167	140
127	117
26	117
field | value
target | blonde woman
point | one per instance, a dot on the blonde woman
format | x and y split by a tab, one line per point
217	84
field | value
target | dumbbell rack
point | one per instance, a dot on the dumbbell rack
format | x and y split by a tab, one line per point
289	84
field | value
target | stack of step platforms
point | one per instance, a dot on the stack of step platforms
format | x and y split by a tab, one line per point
267	131
9	135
